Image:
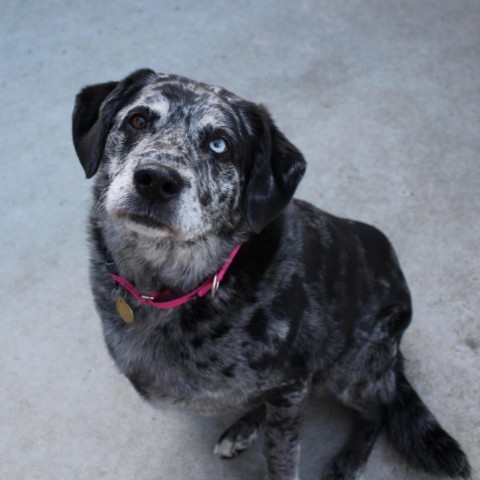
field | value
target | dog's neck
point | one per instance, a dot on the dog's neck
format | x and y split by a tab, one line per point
166	263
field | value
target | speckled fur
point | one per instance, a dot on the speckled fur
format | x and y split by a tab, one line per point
311	299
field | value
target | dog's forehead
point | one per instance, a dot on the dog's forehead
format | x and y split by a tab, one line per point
193	88
181	97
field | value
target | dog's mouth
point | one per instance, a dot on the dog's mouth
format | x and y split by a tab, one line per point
147	221
136	219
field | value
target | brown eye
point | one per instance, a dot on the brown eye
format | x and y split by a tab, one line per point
138	122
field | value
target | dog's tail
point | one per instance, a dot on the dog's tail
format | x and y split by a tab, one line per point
415	432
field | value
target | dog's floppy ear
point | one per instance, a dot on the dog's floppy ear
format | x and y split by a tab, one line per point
89	131
93	114
276	170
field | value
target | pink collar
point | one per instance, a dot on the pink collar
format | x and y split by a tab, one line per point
210	285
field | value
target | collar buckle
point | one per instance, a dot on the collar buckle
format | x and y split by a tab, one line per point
146	297
215	286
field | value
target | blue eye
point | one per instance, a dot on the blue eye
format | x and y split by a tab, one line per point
218	145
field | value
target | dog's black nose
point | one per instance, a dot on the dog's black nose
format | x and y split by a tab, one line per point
157	184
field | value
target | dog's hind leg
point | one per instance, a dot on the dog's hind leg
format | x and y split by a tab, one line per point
349	463
241	434
364	380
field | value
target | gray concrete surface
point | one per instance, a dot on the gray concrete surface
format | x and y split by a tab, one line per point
383	97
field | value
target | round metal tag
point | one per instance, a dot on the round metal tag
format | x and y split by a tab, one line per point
124	310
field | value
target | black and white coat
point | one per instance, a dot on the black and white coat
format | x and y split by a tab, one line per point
184	172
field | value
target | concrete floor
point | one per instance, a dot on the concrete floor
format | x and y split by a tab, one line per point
383	97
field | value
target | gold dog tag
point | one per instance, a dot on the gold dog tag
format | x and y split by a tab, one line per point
124	310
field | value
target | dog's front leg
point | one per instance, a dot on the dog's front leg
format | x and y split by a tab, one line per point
284	406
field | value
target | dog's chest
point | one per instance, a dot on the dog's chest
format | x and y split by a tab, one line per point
199	365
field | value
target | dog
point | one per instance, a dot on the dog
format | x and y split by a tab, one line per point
218	292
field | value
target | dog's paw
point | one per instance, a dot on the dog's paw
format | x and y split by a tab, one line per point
234	441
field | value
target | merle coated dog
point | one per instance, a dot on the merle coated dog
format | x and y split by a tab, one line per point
218	292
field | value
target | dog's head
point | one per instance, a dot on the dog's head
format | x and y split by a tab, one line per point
181	158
